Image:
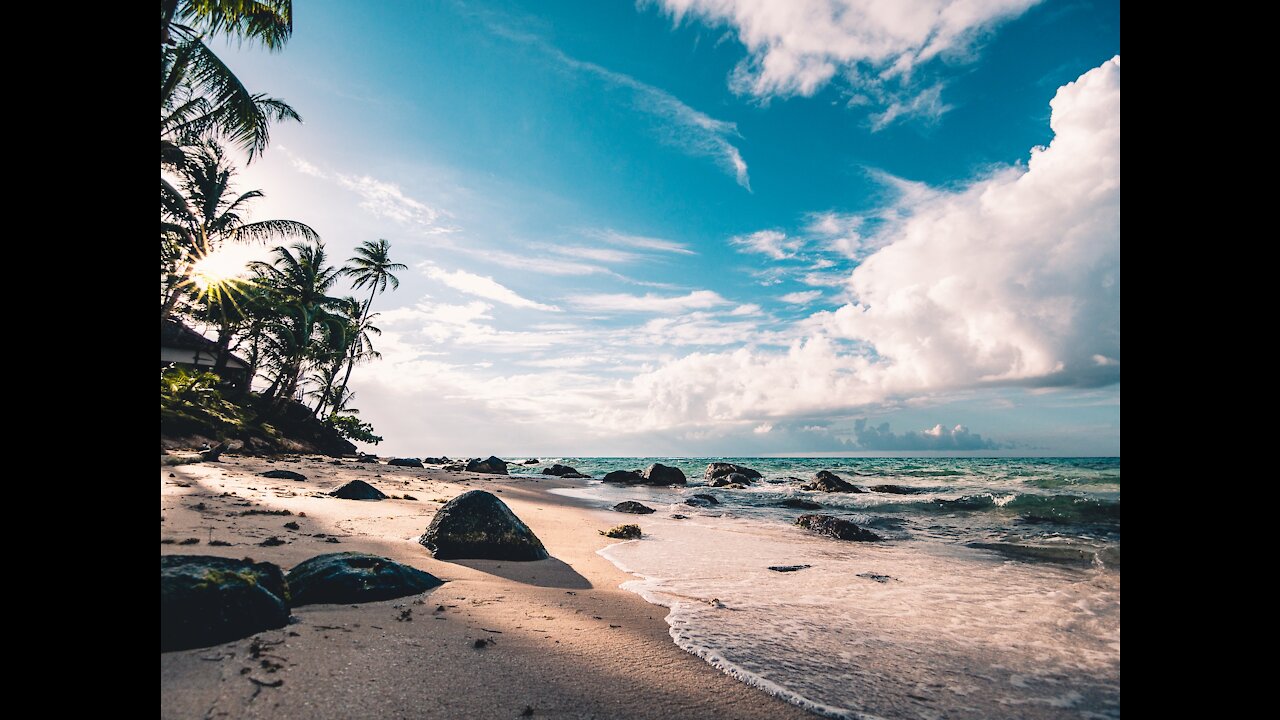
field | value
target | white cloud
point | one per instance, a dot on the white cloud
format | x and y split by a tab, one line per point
379	197
641	241
937	438
763	429
878	48
747	309
481	286
598	254
1014	279
648	303
801	298
773	243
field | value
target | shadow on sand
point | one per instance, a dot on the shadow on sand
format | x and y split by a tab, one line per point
551	573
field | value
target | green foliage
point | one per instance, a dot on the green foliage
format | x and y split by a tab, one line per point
350	427
191	402
623	532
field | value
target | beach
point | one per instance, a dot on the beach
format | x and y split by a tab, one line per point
569	643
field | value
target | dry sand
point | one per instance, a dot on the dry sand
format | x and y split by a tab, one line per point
566	640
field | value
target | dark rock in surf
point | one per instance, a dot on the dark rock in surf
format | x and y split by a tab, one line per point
352	577
659	474
490	466
207	600
827	481
405	462
627	477
702	500
631	506
720	469
476	524
531	461
283	475
559	469
836	528
898	489
801	504
358	490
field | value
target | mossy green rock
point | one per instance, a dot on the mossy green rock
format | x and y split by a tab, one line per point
352	577
206	600
477	524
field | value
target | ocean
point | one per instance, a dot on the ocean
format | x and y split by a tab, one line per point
995	594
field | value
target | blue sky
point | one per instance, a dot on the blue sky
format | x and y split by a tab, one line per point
718	226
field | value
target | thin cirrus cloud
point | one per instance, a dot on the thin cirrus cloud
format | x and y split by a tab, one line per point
380	198
641	242
482	287
772	243
647	303
678	125
803	297
878	49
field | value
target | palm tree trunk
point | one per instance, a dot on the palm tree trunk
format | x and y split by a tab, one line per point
351	352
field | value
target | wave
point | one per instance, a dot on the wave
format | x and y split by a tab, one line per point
1058	509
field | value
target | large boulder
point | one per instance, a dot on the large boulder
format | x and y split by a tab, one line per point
659	474
358	490
405	462
827	481
559	469
717	470
490	465
283	475
628	477
836	528
206	600
734	480
352	577
631	506
477	524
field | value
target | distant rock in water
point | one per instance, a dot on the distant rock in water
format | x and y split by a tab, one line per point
827	481
702	500
623	532
717	470
435	460
836	528
734	480
631	506
898	489
283	475
490	466
476	524
629	477
207	600
559	469
405	462
358	490
351	577
531	461
800	504
788	568
659	474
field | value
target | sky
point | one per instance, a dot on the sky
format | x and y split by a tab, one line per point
717	227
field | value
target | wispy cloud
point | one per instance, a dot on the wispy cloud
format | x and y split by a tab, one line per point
648	303
641	241
680	126
481	286
774	243
379	197
801	298
880	437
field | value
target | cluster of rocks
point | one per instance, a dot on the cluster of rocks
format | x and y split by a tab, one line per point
206	600
655	474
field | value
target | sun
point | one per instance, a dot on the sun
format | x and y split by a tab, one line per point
220	268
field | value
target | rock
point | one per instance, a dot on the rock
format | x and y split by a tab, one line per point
836	528
559	469
476	524
358	490
576	476
800	504
207	600
702	499
876	577
720	469
629	477
827	481
352	577
623	532
211	454
283	475
735	486
631	506
678	516
659	474
405	462
435	460
490	466
363	458
455	467
531	461
788	568
898	489
737	480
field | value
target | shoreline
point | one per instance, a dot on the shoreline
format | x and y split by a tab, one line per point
567	640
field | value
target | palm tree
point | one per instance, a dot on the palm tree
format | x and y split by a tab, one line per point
370	267
205	213
348	342
301	279
198	92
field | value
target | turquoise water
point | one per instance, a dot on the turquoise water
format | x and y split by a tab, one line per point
996	593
